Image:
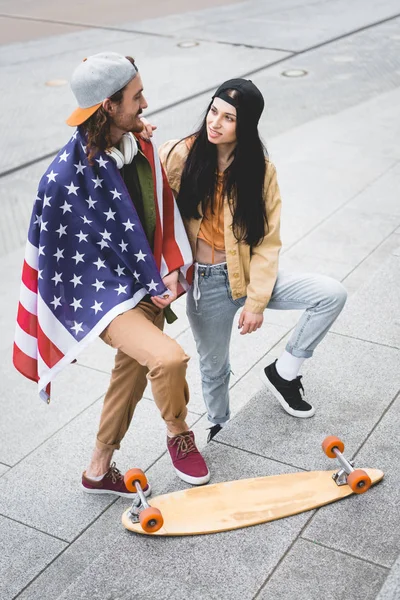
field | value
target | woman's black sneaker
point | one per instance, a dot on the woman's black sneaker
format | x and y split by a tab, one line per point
287	392
213	432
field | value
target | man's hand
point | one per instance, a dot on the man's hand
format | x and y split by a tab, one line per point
249	322
170	282
148	129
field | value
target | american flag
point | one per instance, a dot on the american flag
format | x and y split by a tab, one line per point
87	258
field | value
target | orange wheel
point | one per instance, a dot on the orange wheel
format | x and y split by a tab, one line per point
135	475
330	443
359	481
151	519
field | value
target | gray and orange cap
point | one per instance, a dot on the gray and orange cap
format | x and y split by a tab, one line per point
97	78
252	99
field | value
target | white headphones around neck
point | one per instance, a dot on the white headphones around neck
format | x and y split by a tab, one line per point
126	152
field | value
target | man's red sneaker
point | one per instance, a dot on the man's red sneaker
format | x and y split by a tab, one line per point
112	483
187	460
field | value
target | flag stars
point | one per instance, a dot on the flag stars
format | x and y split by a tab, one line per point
140	256
41	251
97	182
136	276
121	289
79	168
123	246
102	162
57	278
56	302
72	188
77	327
76	280
106	235
103	244
128	225
66	207
99	285
97	306
152	285
38	220
63	157
43	226
116	194
76	303
100	264
46	201
120	271
62	230
59	254
91	202
51	176
110	215
82	236
86	220
78	257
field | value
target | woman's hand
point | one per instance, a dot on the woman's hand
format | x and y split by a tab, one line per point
148	129
170	282
249	322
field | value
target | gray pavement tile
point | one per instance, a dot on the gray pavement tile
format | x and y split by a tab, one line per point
292	26
312	572
372	263
391	587
204	567
24	552
73	390
373	312
368	525
340	381
3	469
157	58
245	351
44	489
381	196
334	241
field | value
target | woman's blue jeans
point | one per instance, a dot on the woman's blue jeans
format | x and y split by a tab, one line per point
211	319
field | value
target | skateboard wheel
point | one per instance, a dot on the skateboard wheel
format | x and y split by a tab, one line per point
330	443
135	475
359	481
151	519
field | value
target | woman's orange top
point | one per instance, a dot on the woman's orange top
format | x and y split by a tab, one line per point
212	224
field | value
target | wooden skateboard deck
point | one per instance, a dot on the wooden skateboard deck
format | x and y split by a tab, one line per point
245	502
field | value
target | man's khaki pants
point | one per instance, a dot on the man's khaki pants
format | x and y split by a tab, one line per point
144	352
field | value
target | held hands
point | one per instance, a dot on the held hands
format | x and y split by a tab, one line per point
170	282
249	322
148	129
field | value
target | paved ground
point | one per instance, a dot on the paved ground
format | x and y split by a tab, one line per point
333	135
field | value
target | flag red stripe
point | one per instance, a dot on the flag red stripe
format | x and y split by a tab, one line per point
25	364
30	277
27	321
47	350
170	250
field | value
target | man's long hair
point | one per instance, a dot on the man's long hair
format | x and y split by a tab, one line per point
97	127
243	181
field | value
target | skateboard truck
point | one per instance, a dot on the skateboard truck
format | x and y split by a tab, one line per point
358	480
141	512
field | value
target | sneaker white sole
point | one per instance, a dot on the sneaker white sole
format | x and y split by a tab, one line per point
193	480
121	494
301	414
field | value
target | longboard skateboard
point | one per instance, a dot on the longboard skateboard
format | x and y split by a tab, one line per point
242	503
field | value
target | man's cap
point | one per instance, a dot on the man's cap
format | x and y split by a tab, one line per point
251	98
97	78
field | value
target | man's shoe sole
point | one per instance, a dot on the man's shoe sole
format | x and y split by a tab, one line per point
114	493
193	480
301	414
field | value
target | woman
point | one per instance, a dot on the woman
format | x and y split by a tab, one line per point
228	195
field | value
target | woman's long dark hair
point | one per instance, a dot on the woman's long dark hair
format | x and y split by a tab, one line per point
243	182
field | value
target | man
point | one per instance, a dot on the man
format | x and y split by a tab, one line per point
106	255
